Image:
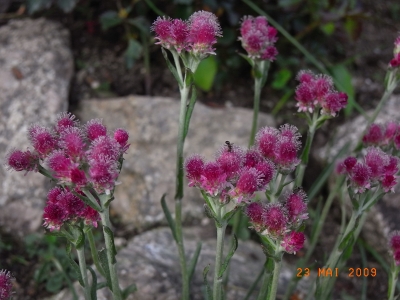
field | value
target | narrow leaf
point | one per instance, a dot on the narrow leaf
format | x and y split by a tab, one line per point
230	214
101	285
193	261
93	288
189	110
89	200
172	68
206	285
248	59
74	266
113	250
168	216
104	264
229	256
205	73
129	290
347	241
132	53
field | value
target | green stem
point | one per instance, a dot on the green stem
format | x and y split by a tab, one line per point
275	277
93	251
105	220
394	272
256	108
266	283
82	266
217	287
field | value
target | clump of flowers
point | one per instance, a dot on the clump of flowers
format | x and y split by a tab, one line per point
317	92
78	158
195	36
384	136
258	38
5	285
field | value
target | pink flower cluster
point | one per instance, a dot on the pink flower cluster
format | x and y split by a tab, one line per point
394	244
377	168
196	36
78	157
62	206
395	62
5	285
317	91
258	38
383	135
280	221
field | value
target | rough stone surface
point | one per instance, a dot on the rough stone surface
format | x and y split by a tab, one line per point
36	66
383	218
149	166
150	261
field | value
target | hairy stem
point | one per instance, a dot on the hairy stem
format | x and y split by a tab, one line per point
82	266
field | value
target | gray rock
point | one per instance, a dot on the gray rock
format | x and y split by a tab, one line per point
36	66
149	166
150	261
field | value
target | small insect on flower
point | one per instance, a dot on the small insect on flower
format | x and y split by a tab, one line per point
229	145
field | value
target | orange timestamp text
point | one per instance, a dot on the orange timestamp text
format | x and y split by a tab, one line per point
328	272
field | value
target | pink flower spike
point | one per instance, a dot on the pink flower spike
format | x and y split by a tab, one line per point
71	204
267	169
293	242
213	179
376	160
349	163
103	172
52	195
94	129
54	216
360	178
104	146
61	164
334	102
122	136
161	28
18	160
266	139
275	219
65	120
5	285
374	135
305	76
179	32
230	159
296	207
42	139
390	132
194	167
247	184
286	154
71	140
393	166
255	211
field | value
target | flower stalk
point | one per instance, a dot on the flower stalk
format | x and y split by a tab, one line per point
82	266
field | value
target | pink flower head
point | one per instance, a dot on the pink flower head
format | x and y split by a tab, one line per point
349	163
266	139
42	139
291	132
394	243
252	158
103	172
61	164
5	285
213	179
21	160
64	121
52	195
258	38
396	257
395	62
204	29
161	28
171	33
194	168
390	131
388	183
275	219
94	129
393	166
71	140
360	178
334	102
396	141
70	203
78	177
90	216
122	136
267	169
376	160
54	216
293	242
104	146
247	184
254	211
230	159
374	135
286	154
296	207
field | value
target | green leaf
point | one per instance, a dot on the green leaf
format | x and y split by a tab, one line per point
36	5
230	214
130	289
89	200
93	288
66	5
74	265
113	250
168	216
347	241
328	28
248	59
172	68
342	77
109	19
104	263
208	295
281	78
54	282
101	285
205	73
229	256
193	261
132	53
189	110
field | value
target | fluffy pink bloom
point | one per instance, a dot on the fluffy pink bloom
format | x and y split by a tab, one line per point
286	154
230	159
54	216
104	146
376	160
5	285
52	195
293	242
103	172
390	131
360	178
267	169
90	216
72	141
42	139
247	184
394	244
122	136
251	158
374	135
388	183
204	29
64	121
296	207
21	160
171	33
213	179
334	102
71	204
266	139
78	177
194	168
94	129
393	166
255	211
258	38
61	164
349	163
275	219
